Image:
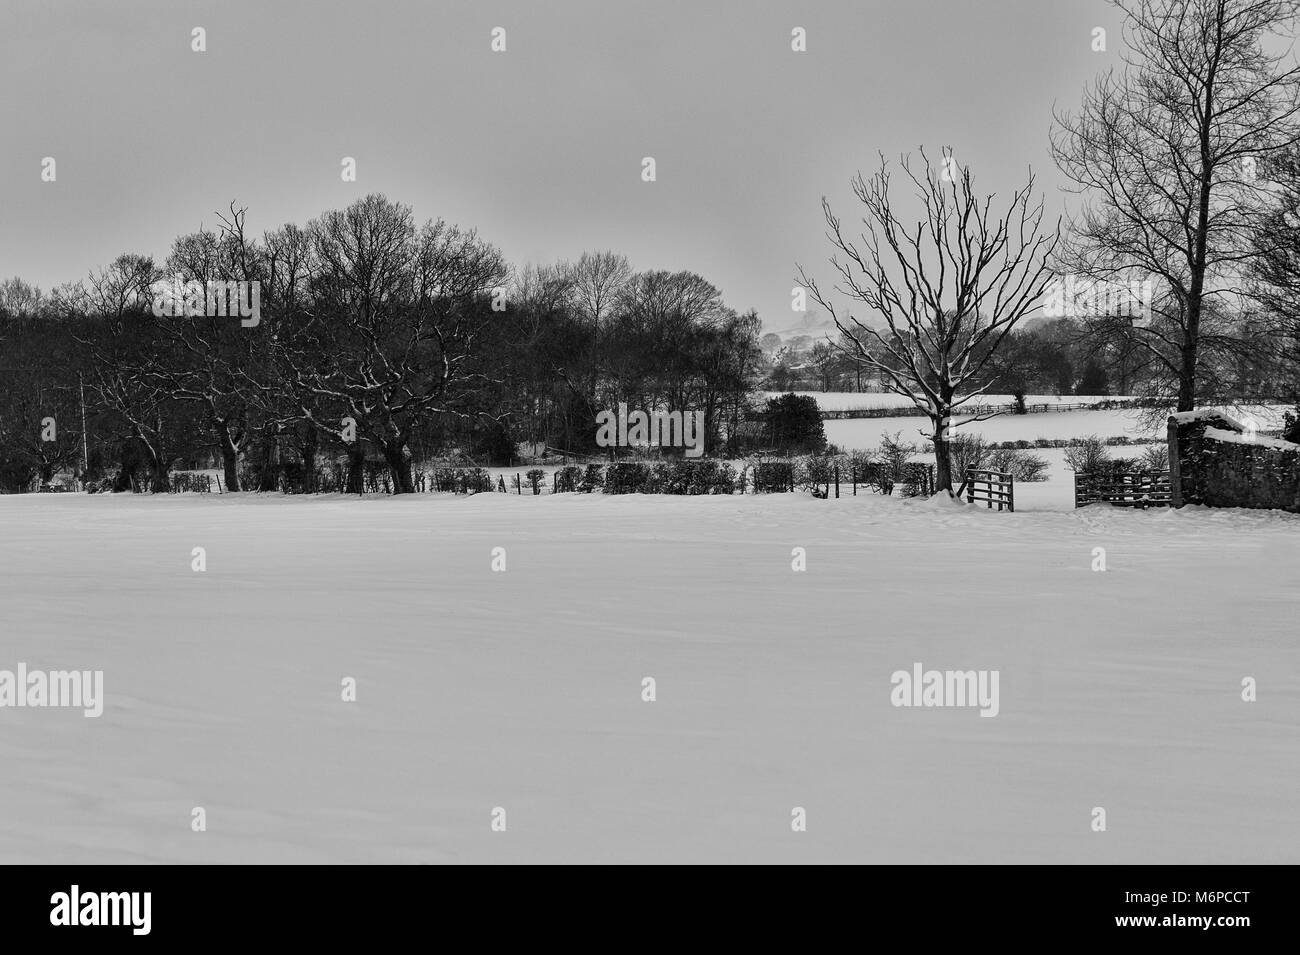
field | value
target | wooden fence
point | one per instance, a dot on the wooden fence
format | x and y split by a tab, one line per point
995	488
1123	489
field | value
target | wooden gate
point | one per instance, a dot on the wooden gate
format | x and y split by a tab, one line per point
1123	489
995	488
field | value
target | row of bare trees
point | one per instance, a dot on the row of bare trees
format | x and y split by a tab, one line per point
372	334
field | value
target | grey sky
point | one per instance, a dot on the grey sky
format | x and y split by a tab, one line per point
539	147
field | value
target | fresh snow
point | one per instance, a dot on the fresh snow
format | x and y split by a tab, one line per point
1204	414
523	689
1236	437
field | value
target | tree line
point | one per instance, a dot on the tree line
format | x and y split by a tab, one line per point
375	337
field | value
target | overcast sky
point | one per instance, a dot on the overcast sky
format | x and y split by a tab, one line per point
539	147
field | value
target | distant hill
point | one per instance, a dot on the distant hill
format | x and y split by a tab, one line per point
810	323
815	326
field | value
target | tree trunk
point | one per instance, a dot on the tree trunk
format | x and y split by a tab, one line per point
398	458
158	478
307	443
270	478
942	448
356	467
942	464
229	456
1187	366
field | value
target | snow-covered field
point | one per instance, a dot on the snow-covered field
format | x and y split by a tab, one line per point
866	432
856	400
522	689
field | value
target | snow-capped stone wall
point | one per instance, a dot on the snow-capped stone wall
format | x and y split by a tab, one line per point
1220	462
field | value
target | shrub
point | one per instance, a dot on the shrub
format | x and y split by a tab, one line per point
593	479
915	479
1291	427
1088	455
793	423
814	473
1019	464
966	451
773	476
477	480
725	480
880	477
536	477
860	459
626	477
668	477
711	477
705	476
456	480
1156	458
567	478
894	455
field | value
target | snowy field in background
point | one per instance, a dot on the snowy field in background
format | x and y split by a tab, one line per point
522	689
861	400
866	432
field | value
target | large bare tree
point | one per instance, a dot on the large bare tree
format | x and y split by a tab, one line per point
943	291
1167	152
390	337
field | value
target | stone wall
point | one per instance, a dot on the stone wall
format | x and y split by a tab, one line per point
1218	461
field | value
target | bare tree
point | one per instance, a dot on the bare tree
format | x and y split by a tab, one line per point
203	358
825	360
598	280
1165	151
541	299
123	373
393	325
19	298
947	289
1275	282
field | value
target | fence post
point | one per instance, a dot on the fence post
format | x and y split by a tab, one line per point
1011	493
837	482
